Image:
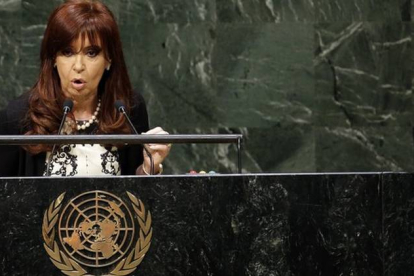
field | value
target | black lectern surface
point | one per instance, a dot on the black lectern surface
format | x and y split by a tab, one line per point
314	224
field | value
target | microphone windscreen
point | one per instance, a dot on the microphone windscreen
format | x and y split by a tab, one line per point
68	104
119	105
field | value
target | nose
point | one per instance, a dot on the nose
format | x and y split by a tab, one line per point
79	65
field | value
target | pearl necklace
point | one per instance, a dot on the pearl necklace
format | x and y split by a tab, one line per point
92	120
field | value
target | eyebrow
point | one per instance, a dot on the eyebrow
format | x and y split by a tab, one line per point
90	47
93	47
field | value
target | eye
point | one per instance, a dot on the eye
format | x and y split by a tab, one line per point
92	51
67	52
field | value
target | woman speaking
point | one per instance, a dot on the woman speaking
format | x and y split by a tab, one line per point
81	60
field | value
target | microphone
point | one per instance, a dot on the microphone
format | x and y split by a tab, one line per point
67	107
119	105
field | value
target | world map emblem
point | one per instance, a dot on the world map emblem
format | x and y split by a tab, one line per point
97	233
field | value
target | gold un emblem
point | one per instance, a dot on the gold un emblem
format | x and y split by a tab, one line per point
97	232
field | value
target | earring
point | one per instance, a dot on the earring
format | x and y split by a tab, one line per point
109	65
55	65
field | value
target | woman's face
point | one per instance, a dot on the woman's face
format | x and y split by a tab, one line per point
80	69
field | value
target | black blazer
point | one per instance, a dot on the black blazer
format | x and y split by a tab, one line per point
15	161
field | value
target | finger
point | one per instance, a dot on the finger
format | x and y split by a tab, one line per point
156	130
154	147
157	144
157	133
158	147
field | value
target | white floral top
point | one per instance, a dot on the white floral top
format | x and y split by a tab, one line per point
84	160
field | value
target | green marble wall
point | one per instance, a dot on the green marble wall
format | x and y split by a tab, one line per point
314	85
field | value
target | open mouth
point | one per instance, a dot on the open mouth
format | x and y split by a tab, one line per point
78	84
78	81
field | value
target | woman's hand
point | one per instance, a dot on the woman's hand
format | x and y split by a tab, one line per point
158	152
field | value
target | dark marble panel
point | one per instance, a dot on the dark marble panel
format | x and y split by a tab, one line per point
287	148
33	24
220	158
335	224
398	224
196	231
264	11
363	74
243	225
362	10
171	65
10	51
256	221
264	74
256	86
406	10
364	149
410	9
172	11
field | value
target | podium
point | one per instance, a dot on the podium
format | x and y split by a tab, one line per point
257	224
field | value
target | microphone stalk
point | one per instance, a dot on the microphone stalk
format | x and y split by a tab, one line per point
119	105
67	107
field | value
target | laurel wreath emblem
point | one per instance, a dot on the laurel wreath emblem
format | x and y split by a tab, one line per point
70	267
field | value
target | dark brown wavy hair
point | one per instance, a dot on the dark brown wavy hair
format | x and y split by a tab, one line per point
68	22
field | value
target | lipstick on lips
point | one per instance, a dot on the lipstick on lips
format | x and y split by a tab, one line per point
78	84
